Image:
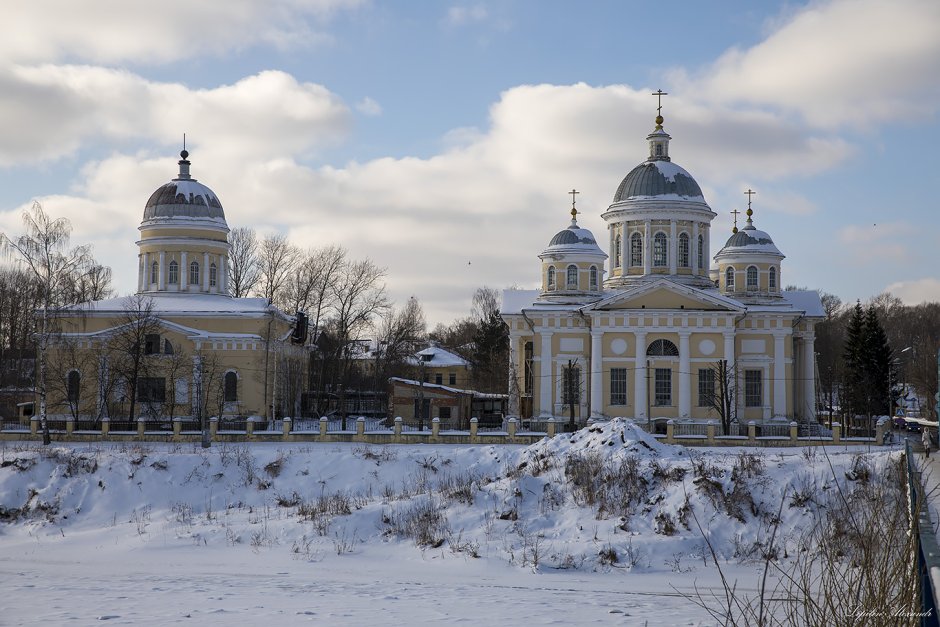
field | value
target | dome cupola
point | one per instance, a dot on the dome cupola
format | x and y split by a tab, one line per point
183	198
572	263
749	262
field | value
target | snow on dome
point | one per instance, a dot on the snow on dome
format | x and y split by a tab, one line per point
750	239
183	197
656	178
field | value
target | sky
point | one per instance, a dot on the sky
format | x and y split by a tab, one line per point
440	139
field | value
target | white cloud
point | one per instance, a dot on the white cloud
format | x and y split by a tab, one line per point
873	244
50	110
460	15
112	31
916	291
853	62
368	106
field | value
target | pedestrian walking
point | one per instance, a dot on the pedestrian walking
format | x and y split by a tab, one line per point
925	438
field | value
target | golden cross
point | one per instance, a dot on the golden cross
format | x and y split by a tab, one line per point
749	193
735	214
573	192
659	93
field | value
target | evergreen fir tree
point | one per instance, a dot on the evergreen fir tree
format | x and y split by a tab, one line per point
877	364
854	396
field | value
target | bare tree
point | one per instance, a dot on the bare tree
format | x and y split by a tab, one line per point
68	377
277	259
135	339
400	336
243	268
44	251
722	397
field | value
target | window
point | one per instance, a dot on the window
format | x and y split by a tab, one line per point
572	282
662	348
636	250
753	394
617	245
684	250
151	389
593	278
772	279
154	272
571	380
659	150
444	414
706	387
663	387
213	276
700	252
751	278
73	386
729	279
151	344
529	350
424	414
194	273
231	387
551	277
167	347
660	250
452	378
174	273
618	386
438	378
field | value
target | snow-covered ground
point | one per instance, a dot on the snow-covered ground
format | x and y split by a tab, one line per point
603	526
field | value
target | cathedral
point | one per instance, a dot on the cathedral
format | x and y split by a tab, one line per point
648	336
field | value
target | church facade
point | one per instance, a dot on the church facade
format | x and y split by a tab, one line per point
181	346
647	331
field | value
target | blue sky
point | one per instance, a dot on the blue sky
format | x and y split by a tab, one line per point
439	139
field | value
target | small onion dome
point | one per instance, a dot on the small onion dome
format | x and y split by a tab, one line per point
750	240
184	197
574	239
658	179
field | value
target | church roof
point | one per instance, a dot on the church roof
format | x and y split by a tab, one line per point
184	197
658	179
750	240
574	239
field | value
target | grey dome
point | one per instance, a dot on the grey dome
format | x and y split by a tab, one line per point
573	235
658	178
746	237
183	198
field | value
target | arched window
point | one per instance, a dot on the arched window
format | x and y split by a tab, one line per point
174	273
617	246
231	387
729	279
593	278
73	386
194	273
572	282
662	348
660	249
154	272
683	250
751	278
551	277
772	279
701	252
213	275
636	250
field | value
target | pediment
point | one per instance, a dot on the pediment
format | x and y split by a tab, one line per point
666	295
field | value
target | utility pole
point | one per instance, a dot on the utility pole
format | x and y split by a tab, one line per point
570	390
421	397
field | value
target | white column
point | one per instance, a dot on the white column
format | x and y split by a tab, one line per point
809	377
597	375
685	375
694	247
223	277
205	272
765	394
639	377
729	357
546	378
707	260
673	248
647	253
145	286
513	376
162	284
184	272
780	376
624	248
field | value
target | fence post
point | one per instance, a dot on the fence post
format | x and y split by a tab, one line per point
213	427
794	432
670	432
177	428
141	427
398	422
550	427
250	427
360	426
752	431
69	426
324	423
710	432
285	429
34	425
880	429
512	428
435	427
474	428
836	432
105	426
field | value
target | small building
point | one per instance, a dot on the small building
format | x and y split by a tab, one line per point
453	406
440	366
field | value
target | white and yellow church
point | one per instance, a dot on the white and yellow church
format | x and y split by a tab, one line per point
643	338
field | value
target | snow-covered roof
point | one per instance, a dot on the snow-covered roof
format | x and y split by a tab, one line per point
661	180
184	197
807	301
182	304
440	358
750	240
446	388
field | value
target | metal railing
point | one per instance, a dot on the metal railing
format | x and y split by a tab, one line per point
928	553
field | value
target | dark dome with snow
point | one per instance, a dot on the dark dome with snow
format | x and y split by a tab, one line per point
573	235
658	178
183	197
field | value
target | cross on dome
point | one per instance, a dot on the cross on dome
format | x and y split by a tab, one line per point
659	93
735	214
750	212
574	211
